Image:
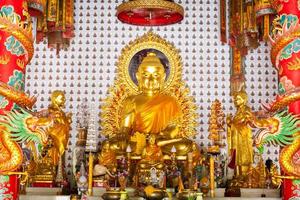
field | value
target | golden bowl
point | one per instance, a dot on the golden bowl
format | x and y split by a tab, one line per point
112	195
156	195
187	195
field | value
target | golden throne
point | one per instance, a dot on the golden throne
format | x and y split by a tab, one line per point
131	114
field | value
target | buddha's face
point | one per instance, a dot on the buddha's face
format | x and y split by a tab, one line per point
58	99
150	78
239	100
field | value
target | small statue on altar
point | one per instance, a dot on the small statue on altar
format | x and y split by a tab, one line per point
81	180
107	161
45	165
152	155
122	171
197	158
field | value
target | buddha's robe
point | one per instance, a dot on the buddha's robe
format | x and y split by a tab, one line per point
241	138
152	115
107	159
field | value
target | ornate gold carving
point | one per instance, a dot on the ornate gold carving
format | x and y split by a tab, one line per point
282	39
149	41
21	30
158	4
283	101
125	87
4	59
16	96
295	64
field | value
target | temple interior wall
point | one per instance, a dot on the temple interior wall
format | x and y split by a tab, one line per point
87	69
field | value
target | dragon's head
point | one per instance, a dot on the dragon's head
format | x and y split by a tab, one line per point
278	130
37	130
24	127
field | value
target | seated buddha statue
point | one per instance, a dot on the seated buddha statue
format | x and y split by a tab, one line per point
152	155
150	112
107	160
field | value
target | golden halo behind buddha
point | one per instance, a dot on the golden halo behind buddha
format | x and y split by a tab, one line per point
126	84
165	51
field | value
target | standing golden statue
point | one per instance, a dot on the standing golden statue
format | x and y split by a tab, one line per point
58	123
59	131
239	135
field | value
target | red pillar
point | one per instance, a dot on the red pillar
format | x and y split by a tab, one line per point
16	46
285	56
16	50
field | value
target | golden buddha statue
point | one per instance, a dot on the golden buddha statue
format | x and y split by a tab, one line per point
197	159
107	160
59	132
58	129
152	155
239	134
150	112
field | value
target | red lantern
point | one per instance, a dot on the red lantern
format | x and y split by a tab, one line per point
150	13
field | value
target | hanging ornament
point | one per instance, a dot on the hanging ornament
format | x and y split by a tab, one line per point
36	7
264	16
56	24
150	12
